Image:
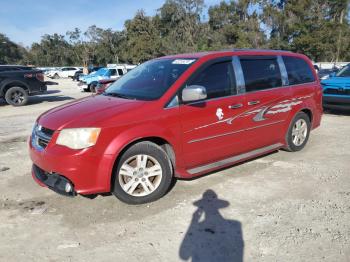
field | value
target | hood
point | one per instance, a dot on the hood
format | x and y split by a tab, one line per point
95	79
337	82
89	75
91	111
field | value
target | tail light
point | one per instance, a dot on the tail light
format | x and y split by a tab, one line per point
40	77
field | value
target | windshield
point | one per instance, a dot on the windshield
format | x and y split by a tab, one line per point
101	71
150	80
345	72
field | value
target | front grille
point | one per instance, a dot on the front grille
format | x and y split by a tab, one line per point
42	143
41	137
337	91
47	131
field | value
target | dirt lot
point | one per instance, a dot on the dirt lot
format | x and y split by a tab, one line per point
281	207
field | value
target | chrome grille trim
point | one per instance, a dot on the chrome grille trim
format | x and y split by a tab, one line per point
41	137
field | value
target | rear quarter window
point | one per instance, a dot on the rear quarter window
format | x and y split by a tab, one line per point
298	70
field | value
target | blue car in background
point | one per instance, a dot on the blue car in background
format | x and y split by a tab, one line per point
89	82
336	90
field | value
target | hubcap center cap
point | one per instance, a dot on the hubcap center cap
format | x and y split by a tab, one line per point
140	174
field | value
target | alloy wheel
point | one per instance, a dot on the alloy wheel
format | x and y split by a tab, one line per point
299	132
17	97
140	175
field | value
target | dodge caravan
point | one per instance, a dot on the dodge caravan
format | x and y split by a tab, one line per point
177	116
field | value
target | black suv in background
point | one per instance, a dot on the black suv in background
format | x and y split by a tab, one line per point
17	83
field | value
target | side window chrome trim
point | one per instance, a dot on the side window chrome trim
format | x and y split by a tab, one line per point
237	68
210	99
283	70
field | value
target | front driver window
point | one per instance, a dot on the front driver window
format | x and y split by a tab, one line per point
218	79
113	72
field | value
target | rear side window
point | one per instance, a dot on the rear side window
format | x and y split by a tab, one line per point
260	73
218	79
298	70
120	72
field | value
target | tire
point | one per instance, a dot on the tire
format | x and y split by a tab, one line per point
298	132
92	88
16	96
87	89
133	180
56	76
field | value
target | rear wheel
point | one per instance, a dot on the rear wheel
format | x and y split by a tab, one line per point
56	76
298	132
143	174
16	96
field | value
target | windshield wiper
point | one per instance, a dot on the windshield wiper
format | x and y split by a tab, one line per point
118	95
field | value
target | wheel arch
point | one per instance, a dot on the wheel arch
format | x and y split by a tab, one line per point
308	112
8	84
160	141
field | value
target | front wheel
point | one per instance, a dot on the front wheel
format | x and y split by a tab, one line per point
143	174
92	87
298	132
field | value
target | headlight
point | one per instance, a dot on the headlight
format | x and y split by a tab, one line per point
78	138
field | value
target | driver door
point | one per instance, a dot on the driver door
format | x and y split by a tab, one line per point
213	129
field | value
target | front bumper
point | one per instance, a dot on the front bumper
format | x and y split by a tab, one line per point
82	86
89	172
54	181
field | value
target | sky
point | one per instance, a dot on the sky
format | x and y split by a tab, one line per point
25	21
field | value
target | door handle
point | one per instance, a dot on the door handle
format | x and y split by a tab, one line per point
255	102
235	106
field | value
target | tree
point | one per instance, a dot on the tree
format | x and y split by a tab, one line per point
232	24
53	50
180	25
142	38
10	53
316	28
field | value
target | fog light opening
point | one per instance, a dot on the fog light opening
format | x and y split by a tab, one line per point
68	188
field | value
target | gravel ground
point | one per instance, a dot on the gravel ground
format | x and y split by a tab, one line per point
280	207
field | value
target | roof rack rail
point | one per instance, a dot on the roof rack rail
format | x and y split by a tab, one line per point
254	49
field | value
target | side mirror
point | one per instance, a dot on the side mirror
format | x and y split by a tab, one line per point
332	74
194	93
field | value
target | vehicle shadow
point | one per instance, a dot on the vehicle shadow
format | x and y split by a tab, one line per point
47	97
337	112
40	99
50	92
211	237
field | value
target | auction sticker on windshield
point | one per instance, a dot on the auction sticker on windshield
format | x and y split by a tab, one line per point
183	61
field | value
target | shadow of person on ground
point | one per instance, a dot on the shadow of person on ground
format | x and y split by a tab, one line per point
210	237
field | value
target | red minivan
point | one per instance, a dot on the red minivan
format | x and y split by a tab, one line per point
177	116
